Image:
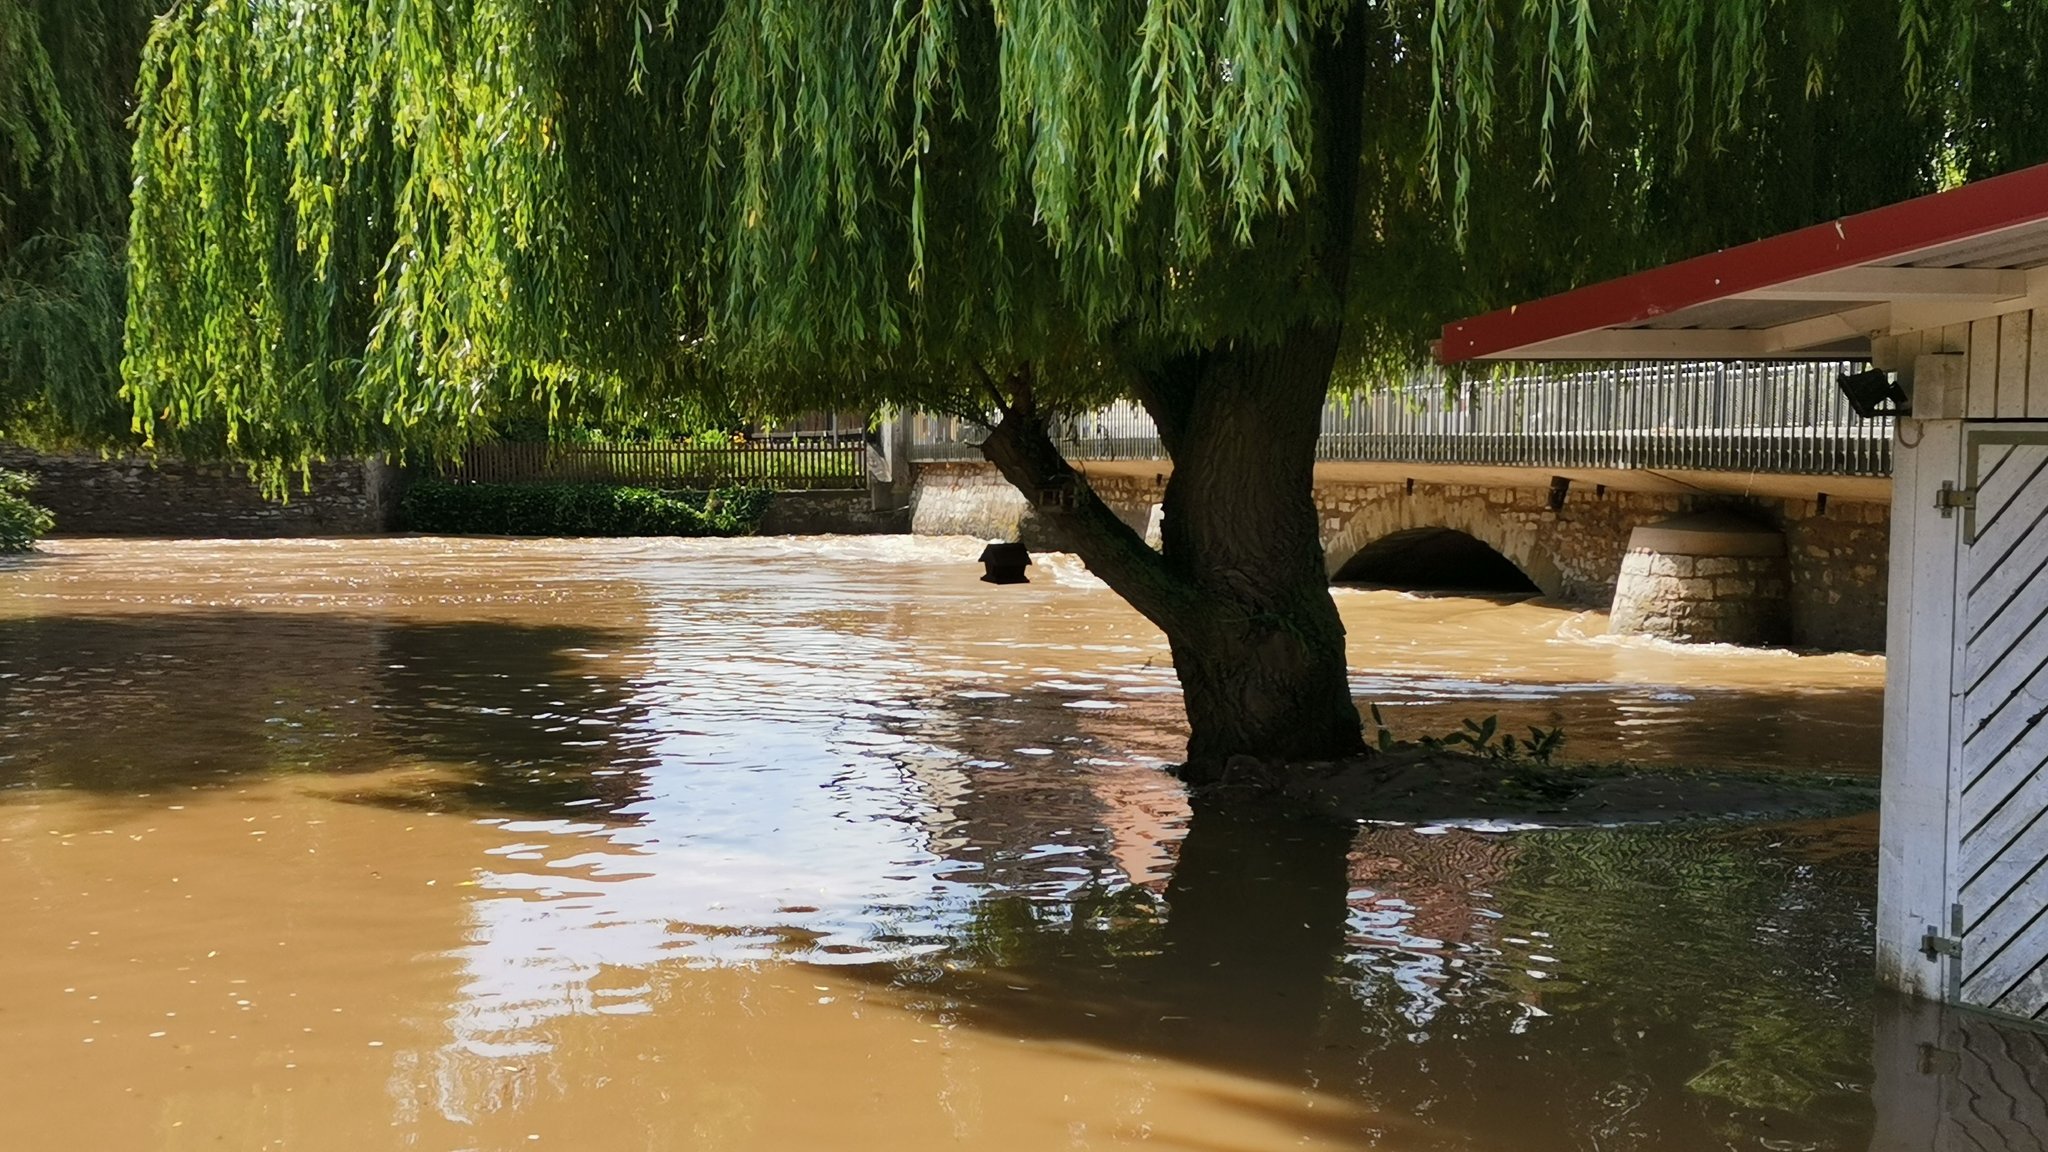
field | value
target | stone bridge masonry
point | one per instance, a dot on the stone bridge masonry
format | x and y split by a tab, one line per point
1706	501
1781	559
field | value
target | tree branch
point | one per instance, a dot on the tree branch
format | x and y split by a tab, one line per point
1167	391
1023	451
1341	65
995	390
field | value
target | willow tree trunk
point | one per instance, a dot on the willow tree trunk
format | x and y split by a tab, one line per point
1238	585
1261	653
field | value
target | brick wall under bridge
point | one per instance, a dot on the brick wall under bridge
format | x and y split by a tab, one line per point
1835	528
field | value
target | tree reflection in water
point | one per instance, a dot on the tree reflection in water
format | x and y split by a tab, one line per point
1606	988
492	717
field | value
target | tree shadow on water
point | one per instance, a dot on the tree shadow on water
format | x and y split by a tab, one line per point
473	716
1689	988
1693	986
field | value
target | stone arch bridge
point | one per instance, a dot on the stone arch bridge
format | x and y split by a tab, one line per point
1495	488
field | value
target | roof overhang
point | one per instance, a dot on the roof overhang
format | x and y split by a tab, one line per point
1823	292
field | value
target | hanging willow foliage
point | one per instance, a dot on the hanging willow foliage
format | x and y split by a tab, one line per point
374	225
67	69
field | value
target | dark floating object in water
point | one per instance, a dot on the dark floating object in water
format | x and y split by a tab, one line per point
1005	564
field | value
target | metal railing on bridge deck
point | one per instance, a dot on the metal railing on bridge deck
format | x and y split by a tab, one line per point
1786	418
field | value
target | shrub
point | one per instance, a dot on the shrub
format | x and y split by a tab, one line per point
21	523
578	510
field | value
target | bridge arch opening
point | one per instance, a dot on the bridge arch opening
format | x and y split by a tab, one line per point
1435	560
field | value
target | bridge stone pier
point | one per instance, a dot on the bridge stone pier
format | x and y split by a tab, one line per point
1423	491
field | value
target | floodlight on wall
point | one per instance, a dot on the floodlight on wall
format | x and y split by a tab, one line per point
1874	393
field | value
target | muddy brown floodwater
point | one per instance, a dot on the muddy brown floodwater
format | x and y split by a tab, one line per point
775	844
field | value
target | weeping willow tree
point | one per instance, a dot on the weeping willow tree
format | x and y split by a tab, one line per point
376	225
67	73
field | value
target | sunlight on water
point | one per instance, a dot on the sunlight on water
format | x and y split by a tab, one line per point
824	843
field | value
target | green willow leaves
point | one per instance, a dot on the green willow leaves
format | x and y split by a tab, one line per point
22	522
67	69
375	225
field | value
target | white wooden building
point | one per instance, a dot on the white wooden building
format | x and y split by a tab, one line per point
1948	295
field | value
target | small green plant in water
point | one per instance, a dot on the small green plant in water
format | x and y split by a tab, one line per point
21	523
1482	737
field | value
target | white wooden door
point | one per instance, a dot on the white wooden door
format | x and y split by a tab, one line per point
1998	865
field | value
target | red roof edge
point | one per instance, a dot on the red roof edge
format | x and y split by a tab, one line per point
1973	209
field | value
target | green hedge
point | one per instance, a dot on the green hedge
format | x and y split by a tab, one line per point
578	510
21	523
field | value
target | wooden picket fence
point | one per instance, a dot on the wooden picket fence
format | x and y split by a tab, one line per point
793	463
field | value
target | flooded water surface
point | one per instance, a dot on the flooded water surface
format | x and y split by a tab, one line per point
778	844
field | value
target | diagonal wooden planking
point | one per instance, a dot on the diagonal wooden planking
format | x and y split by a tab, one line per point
1999	956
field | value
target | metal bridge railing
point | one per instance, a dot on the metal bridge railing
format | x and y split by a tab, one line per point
1785	418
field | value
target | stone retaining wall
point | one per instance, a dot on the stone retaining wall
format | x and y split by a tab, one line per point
971	499
131	496
829	512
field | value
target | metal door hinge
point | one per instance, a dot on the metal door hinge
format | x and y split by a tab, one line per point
1936	946
1951	498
